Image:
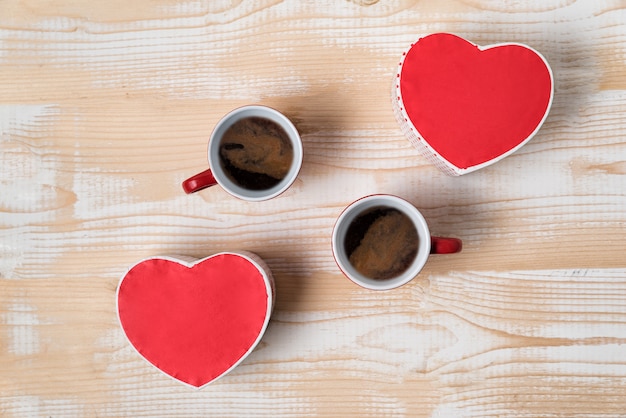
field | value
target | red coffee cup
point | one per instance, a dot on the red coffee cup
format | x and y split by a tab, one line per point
424	243
217	174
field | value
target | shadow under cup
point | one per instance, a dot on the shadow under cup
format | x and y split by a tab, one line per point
377	207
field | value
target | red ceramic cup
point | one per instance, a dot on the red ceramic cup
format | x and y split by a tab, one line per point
216	174
426	244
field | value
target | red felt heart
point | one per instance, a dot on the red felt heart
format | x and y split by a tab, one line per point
466	107
195	321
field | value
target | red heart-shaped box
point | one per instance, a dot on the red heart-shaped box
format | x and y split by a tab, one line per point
196	320
465	107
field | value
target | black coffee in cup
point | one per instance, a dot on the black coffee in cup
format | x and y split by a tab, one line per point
256	153
381	243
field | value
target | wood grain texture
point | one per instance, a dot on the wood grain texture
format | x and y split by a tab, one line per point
105	107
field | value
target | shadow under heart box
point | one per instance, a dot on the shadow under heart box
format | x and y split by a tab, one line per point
465	107
196	320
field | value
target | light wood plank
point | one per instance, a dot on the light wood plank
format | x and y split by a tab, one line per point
106	107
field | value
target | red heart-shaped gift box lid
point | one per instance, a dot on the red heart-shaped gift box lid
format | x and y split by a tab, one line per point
195	320
465	107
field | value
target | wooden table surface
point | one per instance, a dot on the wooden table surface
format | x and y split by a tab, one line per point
105	107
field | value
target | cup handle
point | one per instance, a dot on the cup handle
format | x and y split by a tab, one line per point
199	181
439	245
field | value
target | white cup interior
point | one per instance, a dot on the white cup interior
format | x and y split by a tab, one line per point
363	205
218	171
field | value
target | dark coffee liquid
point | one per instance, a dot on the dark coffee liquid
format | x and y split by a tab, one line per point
256	153
381	243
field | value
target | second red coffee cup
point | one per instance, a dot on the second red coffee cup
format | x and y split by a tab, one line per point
381	242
